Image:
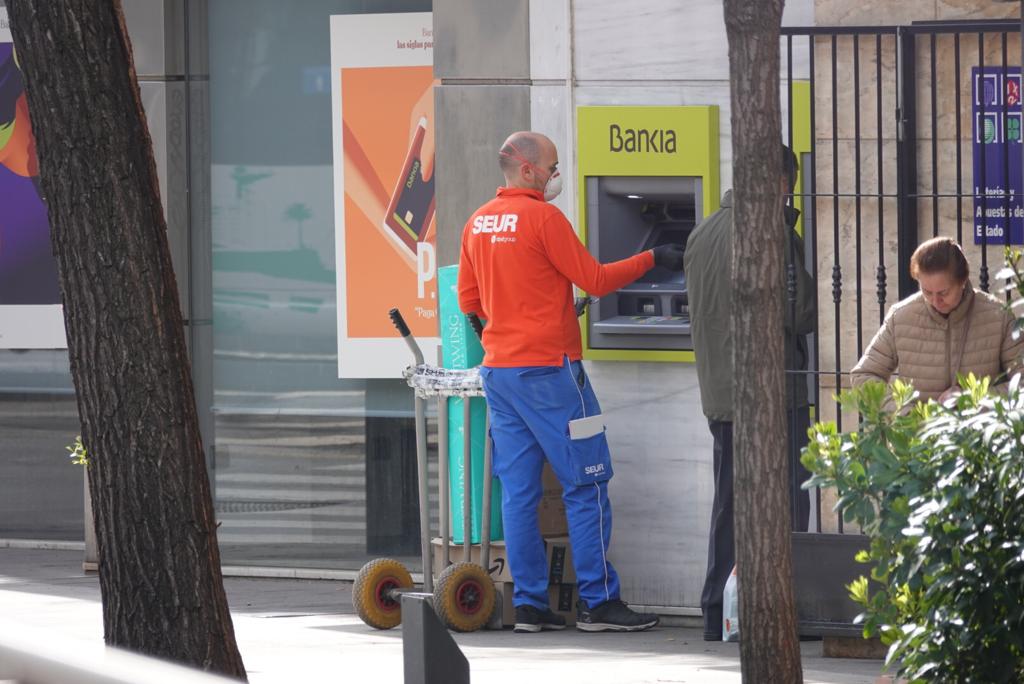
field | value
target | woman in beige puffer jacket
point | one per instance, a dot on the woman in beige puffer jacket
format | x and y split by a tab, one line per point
946	329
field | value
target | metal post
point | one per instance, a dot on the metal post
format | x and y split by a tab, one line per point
485	504
959	143
467	480
837	267
983	190
858	267
935	138
421	473
444	514
792	376
880	274
906	158
813	224
1006	152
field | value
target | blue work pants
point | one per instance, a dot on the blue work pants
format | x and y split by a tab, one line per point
530	409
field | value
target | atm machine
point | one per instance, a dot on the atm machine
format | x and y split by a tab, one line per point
647	177
627	215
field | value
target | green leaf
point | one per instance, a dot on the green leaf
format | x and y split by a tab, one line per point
858	589
78	456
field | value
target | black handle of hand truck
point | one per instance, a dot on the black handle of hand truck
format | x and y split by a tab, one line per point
478	327
399	322
580	304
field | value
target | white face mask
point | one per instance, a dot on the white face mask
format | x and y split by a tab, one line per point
553	188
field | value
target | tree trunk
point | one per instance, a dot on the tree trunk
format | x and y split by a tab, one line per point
159	564
769	646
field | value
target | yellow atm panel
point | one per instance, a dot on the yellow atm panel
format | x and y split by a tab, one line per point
647	176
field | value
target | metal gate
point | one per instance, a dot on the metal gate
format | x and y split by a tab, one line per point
887	121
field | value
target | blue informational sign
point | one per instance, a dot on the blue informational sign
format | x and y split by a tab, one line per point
996	122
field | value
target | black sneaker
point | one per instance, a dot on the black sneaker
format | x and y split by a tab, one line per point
530	619
612	616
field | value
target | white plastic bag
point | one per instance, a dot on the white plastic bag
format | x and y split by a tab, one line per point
731	610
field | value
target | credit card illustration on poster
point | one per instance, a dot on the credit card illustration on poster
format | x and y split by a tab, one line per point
411	207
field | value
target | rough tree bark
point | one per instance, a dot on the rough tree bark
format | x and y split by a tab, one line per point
159	567
769	647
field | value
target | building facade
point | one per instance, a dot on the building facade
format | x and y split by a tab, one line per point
315	473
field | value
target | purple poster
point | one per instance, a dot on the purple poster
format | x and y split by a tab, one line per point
998	211
28	272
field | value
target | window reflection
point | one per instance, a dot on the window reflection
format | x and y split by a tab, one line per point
293	442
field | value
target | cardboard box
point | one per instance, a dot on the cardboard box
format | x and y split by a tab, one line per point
561	598
558	559
551	509
499	565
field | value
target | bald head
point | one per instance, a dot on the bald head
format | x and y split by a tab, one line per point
526	148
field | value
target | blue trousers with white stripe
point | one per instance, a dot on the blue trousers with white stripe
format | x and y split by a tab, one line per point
530	409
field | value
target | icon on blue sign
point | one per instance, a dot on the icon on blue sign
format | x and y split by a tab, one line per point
1013	91
1013	129
989	91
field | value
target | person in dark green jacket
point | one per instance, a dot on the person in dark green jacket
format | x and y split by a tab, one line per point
708	269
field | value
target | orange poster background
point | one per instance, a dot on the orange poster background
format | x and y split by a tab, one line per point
380	110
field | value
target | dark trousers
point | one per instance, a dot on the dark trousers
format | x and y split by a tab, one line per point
721	541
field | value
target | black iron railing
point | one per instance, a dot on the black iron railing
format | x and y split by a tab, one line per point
916	67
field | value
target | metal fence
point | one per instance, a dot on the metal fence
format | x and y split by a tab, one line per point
896	148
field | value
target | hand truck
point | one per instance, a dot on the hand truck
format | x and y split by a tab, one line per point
464	597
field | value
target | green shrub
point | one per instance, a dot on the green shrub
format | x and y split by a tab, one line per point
78	455
940	492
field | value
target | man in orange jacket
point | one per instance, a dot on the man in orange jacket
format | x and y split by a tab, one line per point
520	259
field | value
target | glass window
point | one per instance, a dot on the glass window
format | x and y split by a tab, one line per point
293	442
40	489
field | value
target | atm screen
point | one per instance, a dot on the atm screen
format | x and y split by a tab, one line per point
627	215
664	234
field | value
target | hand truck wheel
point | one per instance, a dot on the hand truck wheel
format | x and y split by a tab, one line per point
374	594
464	597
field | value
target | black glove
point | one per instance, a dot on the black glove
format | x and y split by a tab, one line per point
669	256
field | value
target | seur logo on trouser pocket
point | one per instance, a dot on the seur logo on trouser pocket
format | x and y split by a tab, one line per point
589	456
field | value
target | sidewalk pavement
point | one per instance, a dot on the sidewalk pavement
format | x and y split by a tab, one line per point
306	631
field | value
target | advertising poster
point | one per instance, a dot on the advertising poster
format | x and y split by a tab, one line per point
383	120
998	212
30	312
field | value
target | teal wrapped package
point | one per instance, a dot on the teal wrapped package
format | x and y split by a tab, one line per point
461	349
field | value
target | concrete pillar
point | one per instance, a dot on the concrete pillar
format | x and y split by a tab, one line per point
482	57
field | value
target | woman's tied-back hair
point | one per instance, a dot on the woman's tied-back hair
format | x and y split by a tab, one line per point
937	255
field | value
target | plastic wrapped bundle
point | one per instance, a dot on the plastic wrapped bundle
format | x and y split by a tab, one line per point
432	381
